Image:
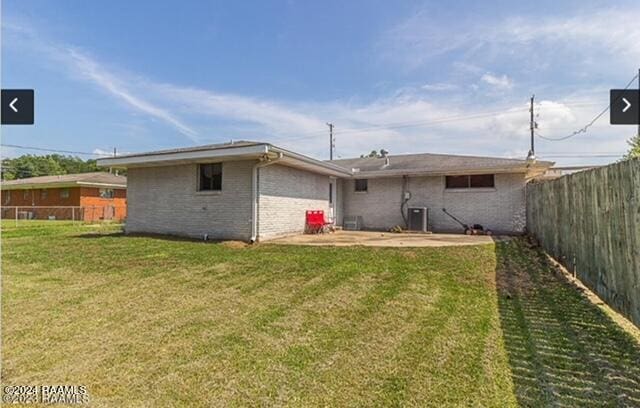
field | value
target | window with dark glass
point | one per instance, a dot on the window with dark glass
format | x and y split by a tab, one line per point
106	193
210	177
481	181
64	193
43	194
362	185
471	181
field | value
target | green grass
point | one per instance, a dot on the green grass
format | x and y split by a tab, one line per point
145	321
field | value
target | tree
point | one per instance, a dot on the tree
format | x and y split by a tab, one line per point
374	153
48	165
634	149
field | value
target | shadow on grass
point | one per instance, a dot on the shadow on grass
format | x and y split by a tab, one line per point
562	349
160	237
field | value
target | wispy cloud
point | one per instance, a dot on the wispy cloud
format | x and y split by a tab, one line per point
501	82
432	117
440	87
576	39
90	69
81	66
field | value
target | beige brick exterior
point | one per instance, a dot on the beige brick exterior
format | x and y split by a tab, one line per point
165	200
285	195
501	209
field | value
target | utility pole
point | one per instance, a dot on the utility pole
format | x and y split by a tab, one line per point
111	168
532	126
332	144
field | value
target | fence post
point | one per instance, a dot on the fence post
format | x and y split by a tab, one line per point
73	215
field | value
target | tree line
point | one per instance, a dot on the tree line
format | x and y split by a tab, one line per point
48	165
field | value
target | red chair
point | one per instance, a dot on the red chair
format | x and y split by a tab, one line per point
315	222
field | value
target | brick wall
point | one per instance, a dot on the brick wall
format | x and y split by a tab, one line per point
165	200
97	208
501	209
34	197
285	194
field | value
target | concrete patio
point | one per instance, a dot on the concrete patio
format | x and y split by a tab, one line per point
382	239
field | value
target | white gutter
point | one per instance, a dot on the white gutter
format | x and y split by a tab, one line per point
264	162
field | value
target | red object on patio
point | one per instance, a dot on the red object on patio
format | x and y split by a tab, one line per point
315	221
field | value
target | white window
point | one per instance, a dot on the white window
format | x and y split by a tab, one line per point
106	193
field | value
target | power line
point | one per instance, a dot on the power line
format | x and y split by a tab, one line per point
399	125
52	150
588	125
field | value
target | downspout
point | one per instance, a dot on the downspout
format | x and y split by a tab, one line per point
264	162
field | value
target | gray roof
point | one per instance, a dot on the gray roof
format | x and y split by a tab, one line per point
436	163
95	178
409	164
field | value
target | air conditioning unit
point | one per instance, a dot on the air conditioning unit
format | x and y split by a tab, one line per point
418	218
352	223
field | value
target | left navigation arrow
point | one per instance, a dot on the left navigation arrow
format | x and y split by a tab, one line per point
17	106
13	102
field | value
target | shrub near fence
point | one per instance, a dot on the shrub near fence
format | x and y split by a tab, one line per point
590	222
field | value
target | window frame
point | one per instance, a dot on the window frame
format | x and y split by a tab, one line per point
64	193
44	193
106	190
469	182
211	190
360	190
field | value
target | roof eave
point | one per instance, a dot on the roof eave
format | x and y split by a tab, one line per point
64	184
455	172
230	153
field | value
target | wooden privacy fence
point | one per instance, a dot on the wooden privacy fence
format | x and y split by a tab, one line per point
590	222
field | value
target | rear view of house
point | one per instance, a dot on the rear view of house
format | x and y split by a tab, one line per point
85	196
256	191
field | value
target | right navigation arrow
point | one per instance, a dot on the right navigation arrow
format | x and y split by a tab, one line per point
623	107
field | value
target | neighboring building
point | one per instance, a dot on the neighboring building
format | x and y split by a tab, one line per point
85	196
252	191
555	172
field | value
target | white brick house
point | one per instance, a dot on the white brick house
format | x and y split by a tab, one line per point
255	191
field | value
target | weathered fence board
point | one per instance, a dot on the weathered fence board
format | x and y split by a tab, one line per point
590	222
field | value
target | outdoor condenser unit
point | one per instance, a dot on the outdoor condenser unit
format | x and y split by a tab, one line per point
418	218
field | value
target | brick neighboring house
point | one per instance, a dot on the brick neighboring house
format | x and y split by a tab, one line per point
85	196
256	191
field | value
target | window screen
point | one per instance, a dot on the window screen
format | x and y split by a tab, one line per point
481	180
210	177
362	185
457	181
471	181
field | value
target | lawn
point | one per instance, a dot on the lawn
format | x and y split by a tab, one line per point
148	321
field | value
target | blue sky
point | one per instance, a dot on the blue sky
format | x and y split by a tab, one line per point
448	77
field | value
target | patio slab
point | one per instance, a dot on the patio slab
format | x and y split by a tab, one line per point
383	239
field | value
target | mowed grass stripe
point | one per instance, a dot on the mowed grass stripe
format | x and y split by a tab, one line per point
187	323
